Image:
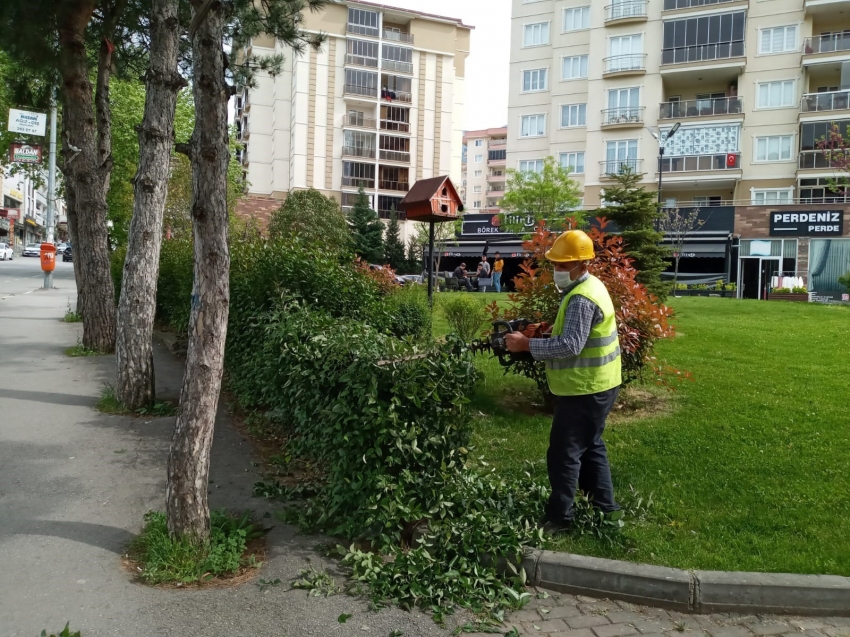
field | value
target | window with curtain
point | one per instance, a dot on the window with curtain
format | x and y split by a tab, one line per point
531	166
774	148
778	39
574	162
573	115
777	94
828	260
575	67
772	196
536	34
534	80
533	126
576	18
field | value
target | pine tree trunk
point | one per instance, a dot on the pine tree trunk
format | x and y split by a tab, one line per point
71	211
188	462
136	308
88	166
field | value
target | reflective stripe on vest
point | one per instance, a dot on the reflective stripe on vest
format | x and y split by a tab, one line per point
598	367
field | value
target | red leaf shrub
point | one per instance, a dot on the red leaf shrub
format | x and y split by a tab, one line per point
384	278
641	318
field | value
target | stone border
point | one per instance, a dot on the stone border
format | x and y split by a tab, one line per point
695	592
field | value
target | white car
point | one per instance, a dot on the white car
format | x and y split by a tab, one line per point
61	248
32	250
6	252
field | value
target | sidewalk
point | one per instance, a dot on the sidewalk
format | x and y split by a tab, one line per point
75	483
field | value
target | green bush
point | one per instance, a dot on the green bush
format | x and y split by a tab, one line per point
465	313
799	290
174	287
409	313
844	280
781	291
313	218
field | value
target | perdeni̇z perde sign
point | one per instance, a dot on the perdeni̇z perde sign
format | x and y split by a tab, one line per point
806	223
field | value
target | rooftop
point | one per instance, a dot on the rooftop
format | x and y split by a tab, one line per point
431	16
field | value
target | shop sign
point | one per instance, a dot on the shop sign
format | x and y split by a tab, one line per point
483	224
815	223
16	194
27	122
25	153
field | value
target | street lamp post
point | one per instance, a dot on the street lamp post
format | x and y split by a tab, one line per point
661	156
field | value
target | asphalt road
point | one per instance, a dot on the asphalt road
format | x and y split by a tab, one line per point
23	275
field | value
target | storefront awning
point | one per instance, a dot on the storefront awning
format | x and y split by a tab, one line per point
696	250
476	249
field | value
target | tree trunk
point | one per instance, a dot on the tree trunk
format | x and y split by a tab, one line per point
136	308
88	166
188	462
71	211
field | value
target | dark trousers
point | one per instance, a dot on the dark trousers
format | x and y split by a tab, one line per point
466	282
577	456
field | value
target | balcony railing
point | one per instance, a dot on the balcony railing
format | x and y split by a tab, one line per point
359	182
628	62
359	121
400	186
702	108
827	43
497	143
627	9
702	52
496	178
401	127
395	155
494	191
832	101
696	163
359	60
357	89
395	65
395	36
396	96
622	115
815	159
618	166
358	151
362	29
687	4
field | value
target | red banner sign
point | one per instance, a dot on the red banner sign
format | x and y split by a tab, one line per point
25	153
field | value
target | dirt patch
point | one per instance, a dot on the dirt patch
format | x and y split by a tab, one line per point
638	402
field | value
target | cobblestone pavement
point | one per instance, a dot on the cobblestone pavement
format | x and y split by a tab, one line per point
560	615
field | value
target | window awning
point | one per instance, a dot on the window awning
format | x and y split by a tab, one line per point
462	249
696	249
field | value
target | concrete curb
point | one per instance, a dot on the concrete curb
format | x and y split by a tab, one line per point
695	592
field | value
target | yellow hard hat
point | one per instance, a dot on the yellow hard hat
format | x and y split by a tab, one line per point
573	245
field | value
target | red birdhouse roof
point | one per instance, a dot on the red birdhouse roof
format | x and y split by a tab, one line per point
419	201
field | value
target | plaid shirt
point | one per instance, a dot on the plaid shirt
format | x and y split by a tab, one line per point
582	314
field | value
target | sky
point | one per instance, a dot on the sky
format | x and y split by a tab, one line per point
487	66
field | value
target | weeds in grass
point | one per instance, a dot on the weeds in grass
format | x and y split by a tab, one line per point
71	316
81	350
183	560
319	583
66	632
109	404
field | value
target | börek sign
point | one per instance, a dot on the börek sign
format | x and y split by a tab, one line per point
806	223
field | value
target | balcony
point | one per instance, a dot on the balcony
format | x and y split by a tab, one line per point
827	46
628	11
670	5
831	101
610	168
397	36
392	125
713	107
629	64
820	7
359	182
703	53
497	143
814	159
395	65
398	186
395	155
496	178
495	191
396	96
701	163
622	117
359	60
362	29
358	121
358	151
364	91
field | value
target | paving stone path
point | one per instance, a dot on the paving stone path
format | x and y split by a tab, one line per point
560	615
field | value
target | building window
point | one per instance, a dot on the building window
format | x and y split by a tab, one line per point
777	94
773	148
702	140
778	40
619	154
362	22
573	162
476	189
476	204
575	67
712	37
536	34
531	166
811	132
533	126
626	53
573	115
534	80
479	159
479	173
576	19
771	196
823	190
479	142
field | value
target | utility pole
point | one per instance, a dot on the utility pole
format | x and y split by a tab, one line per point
51	188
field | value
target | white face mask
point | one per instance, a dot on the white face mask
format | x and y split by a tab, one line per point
562	279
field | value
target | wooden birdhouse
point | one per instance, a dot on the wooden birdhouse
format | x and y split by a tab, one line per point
433	200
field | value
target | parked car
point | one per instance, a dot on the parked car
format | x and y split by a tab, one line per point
6	252
61	248
32	250
68	254
413	278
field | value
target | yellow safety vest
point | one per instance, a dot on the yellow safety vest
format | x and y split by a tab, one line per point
598	367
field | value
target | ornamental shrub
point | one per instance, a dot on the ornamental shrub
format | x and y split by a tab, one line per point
465	313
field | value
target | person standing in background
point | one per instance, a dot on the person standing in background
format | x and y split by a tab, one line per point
498	264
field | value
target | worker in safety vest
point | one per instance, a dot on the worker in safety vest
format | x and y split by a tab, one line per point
584	372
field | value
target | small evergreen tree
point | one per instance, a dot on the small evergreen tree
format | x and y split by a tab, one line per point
413	262
636	214
367	229
393	246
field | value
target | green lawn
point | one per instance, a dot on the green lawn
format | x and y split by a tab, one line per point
749	464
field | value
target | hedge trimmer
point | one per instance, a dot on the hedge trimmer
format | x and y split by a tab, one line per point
495	342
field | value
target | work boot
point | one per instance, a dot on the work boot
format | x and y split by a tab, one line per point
555	529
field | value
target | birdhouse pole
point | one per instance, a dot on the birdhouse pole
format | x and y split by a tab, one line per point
431	264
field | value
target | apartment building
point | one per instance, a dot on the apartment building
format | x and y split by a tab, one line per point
753	85
28	198
484	164
380	106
